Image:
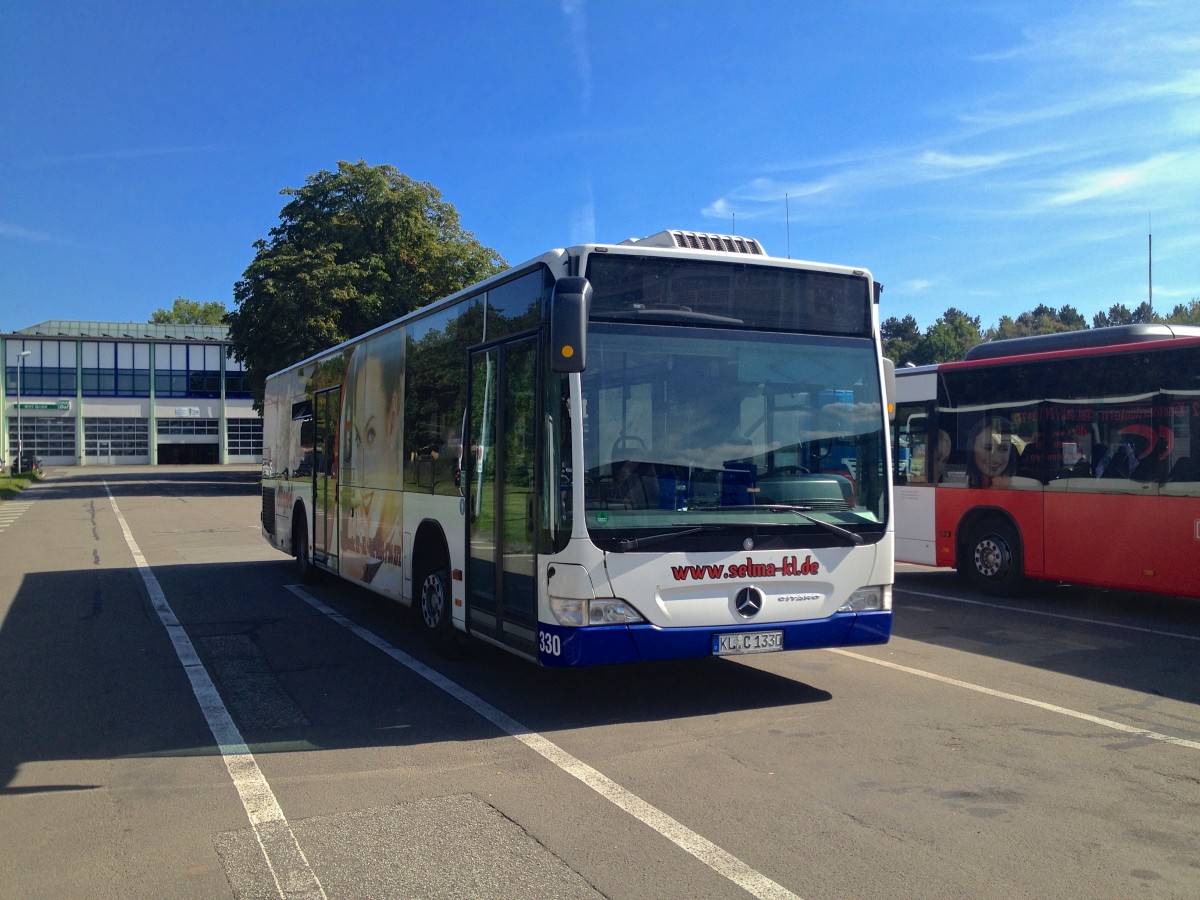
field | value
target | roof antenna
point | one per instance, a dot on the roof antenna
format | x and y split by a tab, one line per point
733	227
787	215
1150	261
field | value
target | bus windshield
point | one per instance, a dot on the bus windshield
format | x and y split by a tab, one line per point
715	436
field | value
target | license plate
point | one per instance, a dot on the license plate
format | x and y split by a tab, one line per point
747	642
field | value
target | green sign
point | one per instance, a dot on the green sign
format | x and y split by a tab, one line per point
57	404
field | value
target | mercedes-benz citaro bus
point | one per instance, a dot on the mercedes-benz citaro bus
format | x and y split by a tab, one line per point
665	448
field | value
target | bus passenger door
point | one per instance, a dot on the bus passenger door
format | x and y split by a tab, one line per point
327	406
500	493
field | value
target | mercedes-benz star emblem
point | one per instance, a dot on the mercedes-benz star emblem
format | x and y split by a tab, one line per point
748	602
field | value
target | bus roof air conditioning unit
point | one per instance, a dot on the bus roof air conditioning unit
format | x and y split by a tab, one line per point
695	240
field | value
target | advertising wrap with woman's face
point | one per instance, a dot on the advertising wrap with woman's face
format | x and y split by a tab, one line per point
371	526
991	461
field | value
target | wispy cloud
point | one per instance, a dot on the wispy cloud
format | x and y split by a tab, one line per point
960	162
1158	171
1112	39
1015	110
577	29
1035	187
766	196
1096	107
122	155
16	232
583	219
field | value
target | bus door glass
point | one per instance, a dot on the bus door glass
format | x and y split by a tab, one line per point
501	494
326	413
920	462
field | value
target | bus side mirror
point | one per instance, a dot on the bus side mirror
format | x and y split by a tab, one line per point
889	387
568	324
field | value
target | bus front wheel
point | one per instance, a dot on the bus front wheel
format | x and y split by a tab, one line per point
435	602
991	558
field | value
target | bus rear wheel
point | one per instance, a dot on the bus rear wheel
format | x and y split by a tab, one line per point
992	560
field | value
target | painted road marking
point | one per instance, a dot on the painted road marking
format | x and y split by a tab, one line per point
720	861
1051	615
11	510
1017	698
289	867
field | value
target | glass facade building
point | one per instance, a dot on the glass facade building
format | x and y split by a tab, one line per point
80	393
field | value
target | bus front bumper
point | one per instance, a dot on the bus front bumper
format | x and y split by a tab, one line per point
603	645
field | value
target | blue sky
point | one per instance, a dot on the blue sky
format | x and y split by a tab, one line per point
986	155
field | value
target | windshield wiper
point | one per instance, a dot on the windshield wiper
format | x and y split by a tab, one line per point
852	537
634	543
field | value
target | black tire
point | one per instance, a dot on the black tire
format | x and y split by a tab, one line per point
309	574
433	609
992	559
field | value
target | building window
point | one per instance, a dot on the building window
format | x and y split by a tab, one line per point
235	377
187	370
48	370
115	369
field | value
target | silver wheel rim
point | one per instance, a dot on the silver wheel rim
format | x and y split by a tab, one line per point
991	557
432	601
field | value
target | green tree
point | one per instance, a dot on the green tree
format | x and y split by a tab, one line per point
901	338
190	312
1185	314
1120	314
1072	318
949	338
1042	319
353	249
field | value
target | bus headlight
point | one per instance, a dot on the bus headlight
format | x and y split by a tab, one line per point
877	597
612	612
570	611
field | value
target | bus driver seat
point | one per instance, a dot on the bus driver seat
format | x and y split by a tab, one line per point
635	484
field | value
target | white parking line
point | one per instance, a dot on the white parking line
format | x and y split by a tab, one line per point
287	862
1050	615
1017	698
720	861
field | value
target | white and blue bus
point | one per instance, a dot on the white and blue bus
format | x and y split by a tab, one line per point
665	448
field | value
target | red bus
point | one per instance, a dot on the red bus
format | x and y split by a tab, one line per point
1071	457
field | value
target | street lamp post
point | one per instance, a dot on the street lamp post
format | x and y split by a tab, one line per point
20	436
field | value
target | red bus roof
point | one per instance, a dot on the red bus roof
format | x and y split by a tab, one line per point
1092	341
